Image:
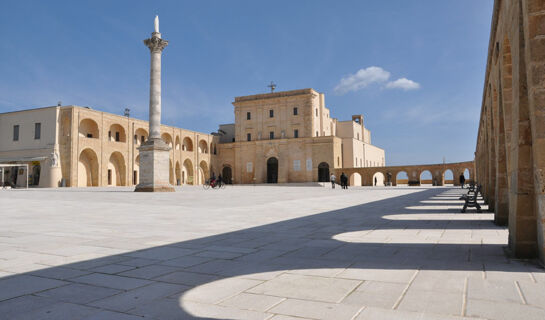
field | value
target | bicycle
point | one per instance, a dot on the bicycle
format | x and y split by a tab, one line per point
214	184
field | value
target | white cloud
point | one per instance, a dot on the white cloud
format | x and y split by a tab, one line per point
362	79
403	83
372	75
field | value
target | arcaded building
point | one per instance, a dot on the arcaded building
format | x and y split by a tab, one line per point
80	147
276	138
290	136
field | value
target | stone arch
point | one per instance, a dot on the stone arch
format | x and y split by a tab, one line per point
227	174
141	135
426	177
448	177
178	172
88	168
117	133
380	179
116	169
187	144
467	173
204	172
203	146
272	170
323	172
167	138
402	178
187	172
88	128
177	145
355	179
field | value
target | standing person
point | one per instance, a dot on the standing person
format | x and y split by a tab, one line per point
219	181
343	181
462	180
332	179
375	181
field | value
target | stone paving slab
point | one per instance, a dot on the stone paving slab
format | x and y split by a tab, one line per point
261	252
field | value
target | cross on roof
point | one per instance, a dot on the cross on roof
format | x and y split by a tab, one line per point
272	86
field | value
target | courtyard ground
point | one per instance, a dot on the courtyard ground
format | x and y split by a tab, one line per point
258	252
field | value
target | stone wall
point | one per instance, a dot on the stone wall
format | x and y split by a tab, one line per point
510	152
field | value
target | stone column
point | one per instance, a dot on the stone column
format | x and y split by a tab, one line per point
154	153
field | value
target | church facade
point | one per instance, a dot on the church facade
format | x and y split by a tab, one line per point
277	137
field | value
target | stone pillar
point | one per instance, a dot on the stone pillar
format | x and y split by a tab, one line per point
155	153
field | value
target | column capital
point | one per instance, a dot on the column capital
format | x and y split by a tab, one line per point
155	43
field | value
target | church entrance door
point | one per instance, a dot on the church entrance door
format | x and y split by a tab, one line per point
272	170
323	172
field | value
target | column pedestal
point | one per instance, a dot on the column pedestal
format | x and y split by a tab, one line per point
154	167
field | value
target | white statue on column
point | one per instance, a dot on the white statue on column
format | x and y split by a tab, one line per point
156	24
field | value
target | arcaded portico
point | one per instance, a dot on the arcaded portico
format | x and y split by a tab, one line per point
438	174
510	152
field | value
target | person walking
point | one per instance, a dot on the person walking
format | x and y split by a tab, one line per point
462	180
332	179
344	181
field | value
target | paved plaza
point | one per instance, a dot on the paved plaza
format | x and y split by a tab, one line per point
258	252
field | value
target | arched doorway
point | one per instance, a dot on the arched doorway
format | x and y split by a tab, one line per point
402	178
323	172
272	170
116	170
88	169
227	175
187	172
355	179
378	179
426	178
36	174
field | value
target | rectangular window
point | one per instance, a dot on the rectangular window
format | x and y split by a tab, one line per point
271	113
271	135
37	130
16	132
89	135
309	164
296	165
316	112
249	137
142	139
249	167
295	111
317	133
135	177
296	133
109	135
135	138
117	136
248	115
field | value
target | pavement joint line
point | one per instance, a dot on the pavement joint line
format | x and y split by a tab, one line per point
532	277
274	305
520	292
464	298
350	292
398	302
358	313
243	291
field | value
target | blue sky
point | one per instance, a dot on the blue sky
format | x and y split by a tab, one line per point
414	69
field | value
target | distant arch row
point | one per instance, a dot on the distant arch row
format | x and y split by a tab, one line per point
438	175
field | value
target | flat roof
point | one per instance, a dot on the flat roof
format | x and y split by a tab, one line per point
279	94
